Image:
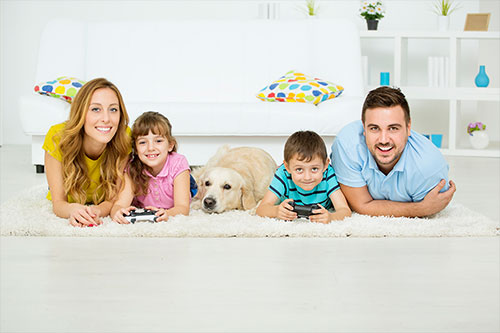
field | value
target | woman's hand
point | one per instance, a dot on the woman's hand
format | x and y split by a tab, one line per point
84	216
119	216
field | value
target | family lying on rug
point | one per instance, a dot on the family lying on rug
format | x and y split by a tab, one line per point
96	167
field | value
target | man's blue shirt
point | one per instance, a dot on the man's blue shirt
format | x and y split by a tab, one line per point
418	171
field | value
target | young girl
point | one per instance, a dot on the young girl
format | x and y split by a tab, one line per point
85	156
157	177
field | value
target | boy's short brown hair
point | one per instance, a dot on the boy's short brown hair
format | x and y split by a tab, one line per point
306	145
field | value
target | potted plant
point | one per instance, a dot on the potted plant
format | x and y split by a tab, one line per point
311	8
443	8
477	135
372	12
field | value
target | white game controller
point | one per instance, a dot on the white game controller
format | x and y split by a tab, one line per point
141	215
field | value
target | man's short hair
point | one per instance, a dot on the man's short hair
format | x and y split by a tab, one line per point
386	97
306	145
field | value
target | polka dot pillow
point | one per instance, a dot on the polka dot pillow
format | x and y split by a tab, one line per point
298	87
63	87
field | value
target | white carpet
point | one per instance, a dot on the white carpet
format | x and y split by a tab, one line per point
30	214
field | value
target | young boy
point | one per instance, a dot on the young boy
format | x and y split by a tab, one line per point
305	177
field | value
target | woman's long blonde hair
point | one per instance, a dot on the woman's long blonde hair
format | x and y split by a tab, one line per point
157	124
75	173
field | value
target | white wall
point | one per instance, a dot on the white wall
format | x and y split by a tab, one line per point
23	20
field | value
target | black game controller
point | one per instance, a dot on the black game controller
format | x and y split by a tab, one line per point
303	210
141	215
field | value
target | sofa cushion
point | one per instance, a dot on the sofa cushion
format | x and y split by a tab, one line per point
254	119
299	87
63	87
217	119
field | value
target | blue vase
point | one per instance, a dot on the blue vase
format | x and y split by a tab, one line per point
482	80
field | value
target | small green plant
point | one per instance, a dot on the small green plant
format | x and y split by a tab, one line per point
371	10
311	8
445	7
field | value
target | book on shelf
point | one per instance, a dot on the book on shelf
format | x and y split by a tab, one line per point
364	64
438	71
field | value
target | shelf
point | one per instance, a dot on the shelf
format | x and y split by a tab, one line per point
471	152
428	93
478	94
431	34
423	92
462	94
479	35
493	150
407	72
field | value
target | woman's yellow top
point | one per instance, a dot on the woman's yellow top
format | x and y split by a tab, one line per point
51	146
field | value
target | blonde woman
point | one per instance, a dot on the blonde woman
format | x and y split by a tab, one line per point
86	155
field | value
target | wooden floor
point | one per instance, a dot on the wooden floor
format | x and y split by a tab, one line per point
253	285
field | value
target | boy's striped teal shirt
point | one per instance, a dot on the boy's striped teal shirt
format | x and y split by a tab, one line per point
284	188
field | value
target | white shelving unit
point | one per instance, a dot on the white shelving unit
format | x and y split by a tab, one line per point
454	94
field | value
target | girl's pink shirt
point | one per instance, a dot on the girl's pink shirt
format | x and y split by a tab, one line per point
161	188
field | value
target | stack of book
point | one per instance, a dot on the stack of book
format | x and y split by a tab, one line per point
364	67
438	70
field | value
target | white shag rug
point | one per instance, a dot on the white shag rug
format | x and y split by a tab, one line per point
30	214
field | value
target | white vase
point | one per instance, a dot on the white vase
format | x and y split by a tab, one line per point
479	139
443	23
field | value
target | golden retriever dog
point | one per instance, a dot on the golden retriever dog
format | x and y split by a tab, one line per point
234	178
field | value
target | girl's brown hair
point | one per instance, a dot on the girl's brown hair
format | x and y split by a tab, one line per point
157	124
75	173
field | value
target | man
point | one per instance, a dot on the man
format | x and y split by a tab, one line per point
383	167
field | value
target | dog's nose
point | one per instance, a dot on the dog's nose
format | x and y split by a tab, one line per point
209	203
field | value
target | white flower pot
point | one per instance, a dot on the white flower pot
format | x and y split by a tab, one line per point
479	139
443	23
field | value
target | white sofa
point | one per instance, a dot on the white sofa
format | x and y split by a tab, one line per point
203	75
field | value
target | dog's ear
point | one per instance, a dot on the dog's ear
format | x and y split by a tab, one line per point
200	181
247	196
197	173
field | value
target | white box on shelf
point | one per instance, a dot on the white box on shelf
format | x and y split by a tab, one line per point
440	71
430	71
446	72
366	72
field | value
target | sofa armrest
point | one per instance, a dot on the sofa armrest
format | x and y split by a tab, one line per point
38	113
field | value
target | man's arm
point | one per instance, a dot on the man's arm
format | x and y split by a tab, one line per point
361	201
